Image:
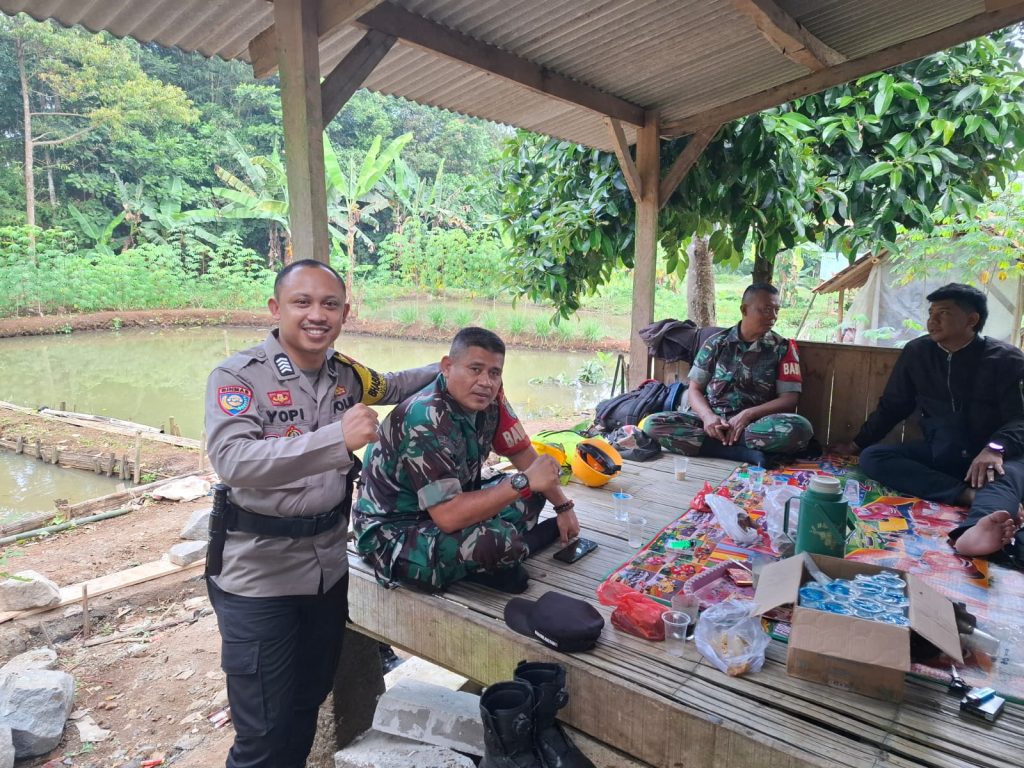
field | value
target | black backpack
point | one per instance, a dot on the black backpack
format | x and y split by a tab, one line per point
630	407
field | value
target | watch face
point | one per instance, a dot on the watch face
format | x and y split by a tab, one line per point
996	447
520	481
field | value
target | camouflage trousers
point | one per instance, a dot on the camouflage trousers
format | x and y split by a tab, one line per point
423	555
683	432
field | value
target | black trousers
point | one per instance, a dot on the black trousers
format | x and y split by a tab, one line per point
914	469
279	655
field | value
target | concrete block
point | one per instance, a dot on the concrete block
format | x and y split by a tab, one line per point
381	750
415	668
433	714
187	552
40	658
27	589
198	526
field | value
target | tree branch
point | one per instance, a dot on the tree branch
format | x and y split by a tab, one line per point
65	114
66	139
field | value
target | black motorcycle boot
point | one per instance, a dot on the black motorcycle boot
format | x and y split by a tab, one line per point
506	710
555	748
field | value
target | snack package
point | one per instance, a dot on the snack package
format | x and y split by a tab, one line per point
699	501
634	613
733	519
731	638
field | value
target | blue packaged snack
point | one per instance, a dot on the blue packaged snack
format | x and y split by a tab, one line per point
812	592
839	587
832	606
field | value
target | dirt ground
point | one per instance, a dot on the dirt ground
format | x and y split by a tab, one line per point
155	678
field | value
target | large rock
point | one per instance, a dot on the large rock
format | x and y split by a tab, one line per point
187	552
40	658
35	704
198	526
6	748
27	589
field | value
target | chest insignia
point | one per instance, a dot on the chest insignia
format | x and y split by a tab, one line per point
280	397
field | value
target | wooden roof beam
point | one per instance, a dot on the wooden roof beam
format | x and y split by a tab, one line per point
687	159
332	15
346	78
788	35
621	147
430	36
1003	14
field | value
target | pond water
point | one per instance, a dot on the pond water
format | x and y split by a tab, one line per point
28	486
148	376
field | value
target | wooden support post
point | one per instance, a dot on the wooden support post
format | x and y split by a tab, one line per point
124	467
298	55
39	449
55	456
86	620
137	475
63	405
111	460
172	427
842	300
20	445
645	251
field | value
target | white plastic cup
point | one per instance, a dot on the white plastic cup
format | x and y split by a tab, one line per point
756	475
851	493
677	623
635	525
682	464
623	502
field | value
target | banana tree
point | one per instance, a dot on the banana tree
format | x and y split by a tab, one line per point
353	196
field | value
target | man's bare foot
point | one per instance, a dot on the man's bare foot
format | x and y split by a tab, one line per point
988	535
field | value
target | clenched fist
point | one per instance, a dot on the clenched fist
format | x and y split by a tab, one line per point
359	426
543	474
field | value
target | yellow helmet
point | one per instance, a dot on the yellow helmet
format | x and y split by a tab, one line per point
550	449
595	462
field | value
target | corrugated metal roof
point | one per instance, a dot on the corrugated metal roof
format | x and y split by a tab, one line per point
680	57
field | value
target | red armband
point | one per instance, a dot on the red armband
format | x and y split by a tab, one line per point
789	366
510	438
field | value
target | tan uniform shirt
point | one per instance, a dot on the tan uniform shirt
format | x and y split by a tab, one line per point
277	441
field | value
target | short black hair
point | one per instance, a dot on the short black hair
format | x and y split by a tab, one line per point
472	336
302	264
967	297
758	288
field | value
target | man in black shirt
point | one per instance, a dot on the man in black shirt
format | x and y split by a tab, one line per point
968	391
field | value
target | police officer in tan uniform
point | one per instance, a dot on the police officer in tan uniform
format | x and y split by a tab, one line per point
283	420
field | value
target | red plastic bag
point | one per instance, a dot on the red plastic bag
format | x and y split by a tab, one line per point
699	502
634	613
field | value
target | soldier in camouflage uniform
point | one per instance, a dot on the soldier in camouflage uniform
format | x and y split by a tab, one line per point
744	385
424	517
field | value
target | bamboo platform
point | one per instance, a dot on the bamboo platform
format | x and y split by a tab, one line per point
669	711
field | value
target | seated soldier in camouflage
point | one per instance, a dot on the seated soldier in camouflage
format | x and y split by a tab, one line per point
744	383
425	518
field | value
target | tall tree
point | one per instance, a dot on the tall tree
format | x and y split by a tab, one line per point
74	84
849	167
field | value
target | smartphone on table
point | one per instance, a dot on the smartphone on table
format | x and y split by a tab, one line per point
575	550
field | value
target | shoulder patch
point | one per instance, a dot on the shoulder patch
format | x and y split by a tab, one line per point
234	399
375	386
292	431
284	364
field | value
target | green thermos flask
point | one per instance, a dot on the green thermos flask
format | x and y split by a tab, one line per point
821	529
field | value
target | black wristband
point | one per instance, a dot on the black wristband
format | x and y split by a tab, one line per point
560	508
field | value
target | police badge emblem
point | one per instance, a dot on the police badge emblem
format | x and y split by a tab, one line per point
234	399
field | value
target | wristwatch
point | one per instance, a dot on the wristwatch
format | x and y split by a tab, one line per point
521	483
996	448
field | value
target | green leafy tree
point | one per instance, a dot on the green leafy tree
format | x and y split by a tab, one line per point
850	167
352	194
74	85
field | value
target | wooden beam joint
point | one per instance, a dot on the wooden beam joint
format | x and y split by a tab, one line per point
687	159
788	35
626	163
350	73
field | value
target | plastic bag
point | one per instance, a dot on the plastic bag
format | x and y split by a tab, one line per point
775	499
732	639
729	515
634	613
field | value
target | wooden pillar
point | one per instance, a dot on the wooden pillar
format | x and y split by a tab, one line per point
842	301
298	55
645	249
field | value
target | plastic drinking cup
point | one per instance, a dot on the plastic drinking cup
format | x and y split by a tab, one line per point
682	463
851	493
676	625
623	501
756	475
635	530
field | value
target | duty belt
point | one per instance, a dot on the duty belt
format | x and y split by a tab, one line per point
238	519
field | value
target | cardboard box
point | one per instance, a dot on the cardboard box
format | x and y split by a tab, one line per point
846	652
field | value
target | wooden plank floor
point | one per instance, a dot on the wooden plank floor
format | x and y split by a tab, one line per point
670	711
